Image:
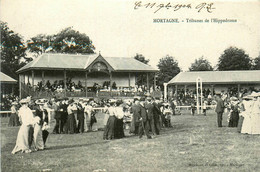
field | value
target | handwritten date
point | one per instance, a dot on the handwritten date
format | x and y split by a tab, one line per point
209	7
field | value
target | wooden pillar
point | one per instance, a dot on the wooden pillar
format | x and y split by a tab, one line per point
147	82
110	78
154	81
64	80
28	79
86	83
12	89
20	86
33	79
212	89
43	78
238	90
165	91
176	90
129	80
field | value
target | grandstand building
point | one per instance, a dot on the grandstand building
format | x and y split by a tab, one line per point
214	82
111	75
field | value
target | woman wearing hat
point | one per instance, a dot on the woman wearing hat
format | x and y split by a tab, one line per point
246	113
41	117
109	132
71	121
14	119
255	117
26	119
234	114
119	124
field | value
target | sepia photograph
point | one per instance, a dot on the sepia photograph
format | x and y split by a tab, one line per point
130	85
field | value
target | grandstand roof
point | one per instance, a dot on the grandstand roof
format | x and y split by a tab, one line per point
217	77
6	79
81	62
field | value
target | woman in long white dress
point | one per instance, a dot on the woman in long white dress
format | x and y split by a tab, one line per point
246	126
255	117
26	119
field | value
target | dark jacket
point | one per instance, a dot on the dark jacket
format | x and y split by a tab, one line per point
150	110
143	113
39	113
220	106
80	112
136	110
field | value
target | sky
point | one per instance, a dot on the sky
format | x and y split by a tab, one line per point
119	30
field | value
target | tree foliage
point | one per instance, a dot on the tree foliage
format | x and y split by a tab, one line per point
66	41
201	64
13	51
256	65
141	79
234	59
141	58
168	68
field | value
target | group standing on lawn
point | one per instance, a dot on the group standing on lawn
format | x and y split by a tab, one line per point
243	114
143	116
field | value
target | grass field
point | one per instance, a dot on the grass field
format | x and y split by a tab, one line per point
193	144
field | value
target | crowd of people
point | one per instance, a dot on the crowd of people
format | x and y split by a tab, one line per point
242	113
142	116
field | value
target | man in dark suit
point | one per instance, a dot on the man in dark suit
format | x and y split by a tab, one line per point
80	117
135	110
157	113
57	117
219	110
143	118
150	114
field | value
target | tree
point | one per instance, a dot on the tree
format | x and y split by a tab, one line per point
66	41
256	65
13	51
201	64
40	43
168	68
140	80
141	58
234	59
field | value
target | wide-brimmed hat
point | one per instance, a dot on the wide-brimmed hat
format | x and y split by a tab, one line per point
14	103
233	99
247	98
254	94
70	101
142	99
149	98
24	101
41	101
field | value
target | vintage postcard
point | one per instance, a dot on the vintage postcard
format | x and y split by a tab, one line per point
130	85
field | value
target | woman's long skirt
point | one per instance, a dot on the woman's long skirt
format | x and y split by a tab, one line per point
119	128
22	140
233	122
14	120
71	122
37	137
246	126
109	132
240	123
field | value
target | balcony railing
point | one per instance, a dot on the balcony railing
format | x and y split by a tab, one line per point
29	91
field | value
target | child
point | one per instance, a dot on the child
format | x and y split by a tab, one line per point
167	113
204	107
193	108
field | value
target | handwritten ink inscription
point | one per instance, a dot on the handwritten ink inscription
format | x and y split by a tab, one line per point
208	7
